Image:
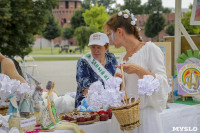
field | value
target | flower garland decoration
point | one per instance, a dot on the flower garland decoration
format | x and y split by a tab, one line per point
126	14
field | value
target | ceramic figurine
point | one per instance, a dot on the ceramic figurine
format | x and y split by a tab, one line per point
26	105
13	108
37	96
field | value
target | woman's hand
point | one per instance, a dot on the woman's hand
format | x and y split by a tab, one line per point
129	68
118	75
85	92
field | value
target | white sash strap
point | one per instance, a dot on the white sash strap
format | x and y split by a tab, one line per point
97	67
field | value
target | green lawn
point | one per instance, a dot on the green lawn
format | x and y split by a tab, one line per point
55	58
47	50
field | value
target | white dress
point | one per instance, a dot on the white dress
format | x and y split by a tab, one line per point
151	58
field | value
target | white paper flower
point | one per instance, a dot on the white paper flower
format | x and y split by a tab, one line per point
111	95
148	85
133	23
120	13
9	86
125	15
4	120
127	11
138	29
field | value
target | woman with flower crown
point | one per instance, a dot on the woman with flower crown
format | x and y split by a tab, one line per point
140	59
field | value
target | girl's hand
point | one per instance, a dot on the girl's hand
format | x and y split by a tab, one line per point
129	68
118	75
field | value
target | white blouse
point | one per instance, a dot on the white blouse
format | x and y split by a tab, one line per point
151	58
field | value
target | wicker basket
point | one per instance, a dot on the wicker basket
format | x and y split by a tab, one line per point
128	115
16	122
4	110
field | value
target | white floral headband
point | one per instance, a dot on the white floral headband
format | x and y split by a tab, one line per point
126	13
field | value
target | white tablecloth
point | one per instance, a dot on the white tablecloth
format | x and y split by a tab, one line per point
179	115
97	127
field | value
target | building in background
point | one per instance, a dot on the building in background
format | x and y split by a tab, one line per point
65	10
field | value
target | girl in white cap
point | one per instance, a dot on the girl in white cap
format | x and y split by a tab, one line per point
97	65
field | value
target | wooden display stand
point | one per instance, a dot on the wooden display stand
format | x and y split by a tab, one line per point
184	96
187	95
166	46
166	49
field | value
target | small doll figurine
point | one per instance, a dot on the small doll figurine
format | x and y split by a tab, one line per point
49	87
49	115
37	96
26	105
13	108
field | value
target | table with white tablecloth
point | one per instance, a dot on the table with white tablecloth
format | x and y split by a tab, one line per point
97	127
178	115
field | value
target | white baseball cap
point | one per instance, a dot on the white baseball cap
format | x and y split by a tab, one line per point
98	39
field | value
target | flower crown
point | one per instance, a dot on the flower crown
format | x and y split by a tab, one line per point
126	13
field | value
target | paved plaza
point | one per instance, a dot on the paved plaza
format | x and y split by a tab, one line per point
63	73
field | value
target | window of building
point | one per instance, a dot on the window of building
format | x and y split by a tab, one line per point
64	20
58	7
75	4
66	4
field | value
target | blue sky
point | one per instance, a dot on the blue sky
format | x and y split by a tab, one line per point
167	3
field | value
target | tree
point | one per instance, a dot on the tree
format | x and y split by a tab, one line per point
134	6
170	30
96	16
106	3
191	29
19	22
52	30
166	10
155	23
68	32
155	5
77	19
86	4
82	35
